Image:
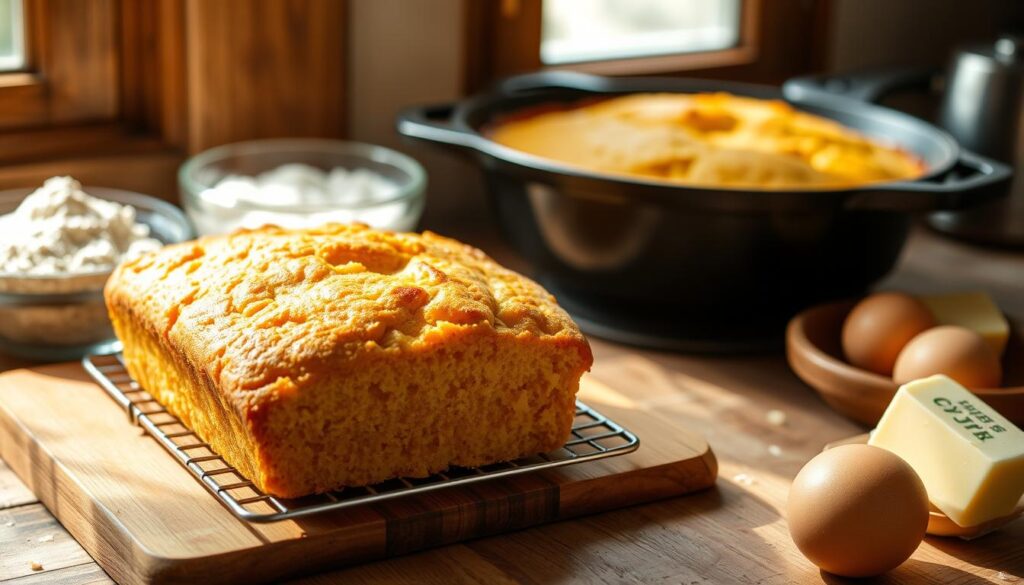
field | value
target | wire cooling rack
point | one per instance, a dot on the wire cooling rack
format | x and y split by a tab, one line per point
593	437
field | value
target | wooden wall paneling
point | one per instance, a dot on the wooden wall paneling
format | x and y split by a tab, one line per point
68	142
152	171
102	99
72	69
22	100
140	70
153	68
23	94
118	92
264	69
99	61
78	58
515	43
171	53
502	38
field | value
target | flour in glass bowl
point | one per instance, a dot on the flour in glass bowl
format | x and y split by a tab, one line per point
60	229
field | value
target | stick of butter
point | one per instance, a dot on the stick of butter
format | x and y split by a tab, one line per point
975	311
970	458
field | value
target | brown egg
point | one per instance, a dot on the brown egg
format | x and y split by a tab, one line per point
879	326
857	510
957	352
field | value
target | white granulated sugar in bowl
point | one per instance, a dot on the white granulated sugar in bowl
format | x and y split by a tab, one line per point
339	195
60	229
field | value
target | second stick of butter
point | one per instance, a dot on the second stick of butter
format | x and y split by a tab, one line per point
970	457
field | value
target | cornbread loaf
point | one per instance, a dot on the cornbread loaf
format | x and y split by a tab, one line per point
339	356
713	139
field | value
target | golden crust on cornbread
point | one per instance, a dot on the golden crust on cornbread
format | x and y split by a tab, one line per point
314	359
709	139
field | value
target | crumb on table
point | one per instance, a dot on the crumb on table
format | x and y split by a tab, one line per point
776	417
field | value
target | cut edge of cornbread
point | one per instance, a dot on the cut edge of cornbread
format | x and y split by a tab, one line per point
465	408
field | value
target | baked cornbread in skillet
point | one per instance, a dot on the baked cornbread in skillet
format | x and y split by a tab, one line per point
706	139
320	358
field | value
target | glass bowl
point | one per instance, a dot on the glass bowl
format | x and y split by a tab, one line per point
214	212
63	317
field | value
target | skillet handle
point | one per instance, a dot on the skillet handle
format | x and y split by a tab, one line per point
973	179
433	123
866	86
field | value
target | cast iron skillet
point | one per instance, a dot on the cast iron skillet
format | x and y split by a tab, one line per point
698	268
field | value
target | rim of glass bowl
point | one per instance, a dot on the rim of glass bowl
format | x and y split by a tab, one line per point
381	154
87	280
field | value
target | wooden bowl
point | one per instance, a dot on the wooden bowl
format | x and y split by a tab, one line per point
815	355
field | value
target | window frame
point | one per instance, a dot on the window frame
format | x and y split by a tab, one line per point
70	69
744	51
102	91
503	38
184	82
18	39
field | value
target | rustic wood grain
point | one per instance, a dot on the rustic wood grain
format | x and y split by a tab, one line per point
103	95
30	535
85	574
734	533
82	68
264	69
778	40
13	492
150	170
152	59
23	101
145	519
73	56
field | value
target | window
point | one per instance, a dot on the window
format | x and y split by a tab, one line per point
118	92
748	40
12	42
574	31
83	85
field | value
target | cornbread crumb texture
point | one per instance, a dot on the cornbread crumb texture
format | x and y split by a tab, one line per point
467	403
255	304
707	139
340	356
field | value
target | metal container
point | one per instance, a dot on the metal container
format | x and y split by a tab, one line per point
982	108
699	268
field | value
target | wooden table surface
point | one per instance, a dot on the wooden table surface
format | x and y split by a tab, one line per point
734	533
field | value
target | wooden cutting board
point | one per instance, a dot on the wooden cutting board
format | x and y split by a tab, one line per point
145	519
